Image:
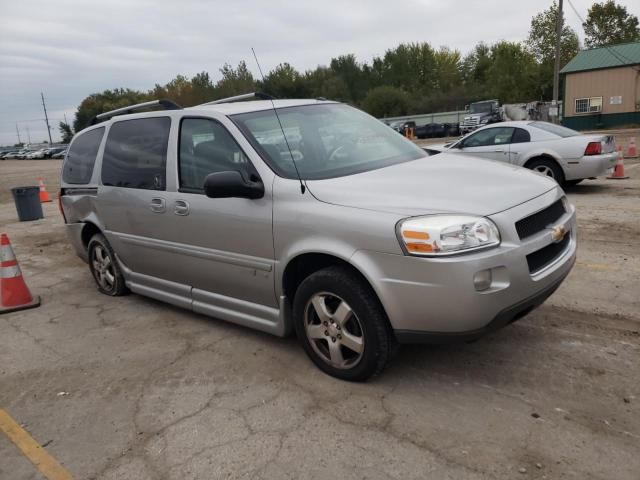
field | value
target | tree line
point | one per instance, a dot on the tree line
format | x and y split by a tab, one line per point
410	78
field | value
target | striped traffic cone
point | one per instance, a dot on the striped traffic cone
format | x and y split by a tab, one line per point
44	195
618	170
14	293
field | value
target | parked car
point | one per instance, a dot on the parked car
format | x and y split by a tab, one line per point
344	232
60	154
50	152
7	155
558	152
37	154
22	154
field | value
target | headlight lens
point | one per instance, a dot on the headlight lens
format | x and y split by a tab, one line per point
484	120
436	235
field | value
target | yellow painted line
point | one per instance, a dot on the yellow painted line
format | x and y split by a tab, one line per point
31	449
598	266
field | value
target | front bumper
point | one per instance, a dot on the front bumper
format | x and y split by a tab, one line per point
436	298
591	166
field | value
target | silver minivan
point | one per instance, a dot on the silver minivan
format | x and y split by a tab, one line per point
311	216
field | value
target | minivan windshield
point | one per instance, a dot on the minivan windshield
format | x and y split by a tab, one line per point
326	141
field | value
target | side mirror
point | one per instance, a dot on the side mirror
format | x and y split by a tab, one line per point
232	184
466	108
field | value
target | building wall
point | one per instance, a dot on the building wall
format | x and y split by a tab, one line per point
612	82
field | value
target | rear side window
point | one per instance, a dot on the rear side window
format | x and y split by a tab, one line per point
78	167
521	136
135	155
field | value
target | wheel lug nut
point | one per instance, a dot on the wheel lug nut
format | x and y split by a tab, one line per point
333	339
326	333
325	323
338	327
339	337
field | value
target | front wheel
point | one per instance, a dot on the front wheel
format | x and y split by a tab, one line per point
342	325
547	167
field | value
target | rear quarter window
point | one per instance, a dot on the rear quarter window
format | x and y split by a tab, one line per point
135	154
78	166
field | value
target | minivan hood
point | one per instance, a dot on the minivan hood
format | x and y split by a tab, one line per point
443	183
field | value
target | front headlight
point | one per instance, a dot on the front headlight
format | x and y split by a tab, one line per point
484	121
436	235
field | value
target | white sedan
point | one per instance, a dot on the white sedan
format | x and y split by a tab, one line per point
558	152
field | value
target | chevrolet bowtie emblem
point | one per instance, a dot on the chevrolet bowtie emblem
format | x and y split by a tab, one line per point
558	232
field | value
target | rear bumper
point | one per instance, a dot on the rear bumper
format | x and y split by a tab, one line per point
591	166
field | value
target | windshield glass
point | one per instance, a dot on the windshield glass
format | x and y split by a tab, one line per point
555	129
481	107
326	141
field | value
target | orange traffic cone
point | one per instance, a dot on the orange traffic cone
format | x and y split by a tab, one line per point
632	151
44	195
14	294
618	170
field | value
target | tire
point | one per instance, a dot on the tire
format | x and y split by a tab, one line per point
104	267
571	183
351	319
547	167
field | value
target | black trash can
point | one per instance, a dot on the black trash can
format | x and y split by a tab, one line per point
27	200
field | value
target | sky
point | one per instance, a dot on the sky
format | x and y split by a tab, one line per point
69	49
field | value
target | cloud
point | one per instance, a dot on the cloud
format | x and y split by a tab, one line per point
71	48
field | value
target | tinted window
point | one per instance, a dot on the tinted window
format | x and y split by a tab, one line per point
520	136
207	147
135	155
78	166
490	136
325	141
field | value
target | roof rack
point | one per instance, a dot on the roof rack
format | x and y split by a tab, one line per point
167	104
239	98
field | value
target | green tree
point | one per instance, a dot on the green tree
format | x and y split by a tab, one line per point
108	100
513	73
608	23
542	44
542	38
386	101
235	81
66	132
284	81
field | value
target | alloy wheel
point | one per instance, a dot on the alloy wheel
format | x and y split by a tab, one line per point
103	268
334	330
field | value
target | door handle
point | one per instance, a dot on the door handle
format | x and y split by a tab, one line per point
515	153
158	205
499	151
181	208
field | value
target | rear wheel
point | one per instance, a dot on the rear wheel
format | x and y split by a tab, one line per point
341	324
104	267
547	167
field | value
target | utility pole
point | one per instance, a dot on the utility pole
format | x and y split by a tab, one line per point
28	136
18	132
556	66
46	118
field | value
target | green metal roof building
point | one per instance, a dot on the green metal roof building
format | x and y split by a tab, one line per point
602	87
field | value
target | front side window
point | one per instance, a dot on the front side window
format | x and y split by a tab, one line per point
324	141
490	136
135	155
78	167
207	147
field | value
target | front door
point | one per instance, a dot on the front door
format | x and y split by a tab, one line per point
490	143
224	246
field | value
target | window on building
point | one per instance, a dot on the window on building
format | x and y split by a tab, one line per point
589	105
136	153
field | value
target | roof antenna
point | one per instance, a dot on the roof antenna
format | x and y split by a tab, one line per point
302	187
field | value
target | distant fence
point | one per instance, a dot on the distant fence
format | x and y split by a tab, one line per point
424	118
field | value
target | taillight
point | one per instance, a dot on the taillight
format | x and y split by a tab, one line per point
60	194
593	148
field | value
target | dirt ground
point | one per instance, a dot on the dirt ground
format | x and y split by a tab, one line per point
130	388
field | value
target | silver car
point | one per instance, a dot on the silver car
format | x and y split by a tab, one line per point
311	216
558	152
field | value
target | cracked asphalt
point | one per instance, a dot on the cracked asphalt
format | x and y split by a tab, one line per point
130	388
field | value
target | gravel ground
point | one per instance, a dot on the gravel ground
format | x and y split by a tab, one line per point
154	392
